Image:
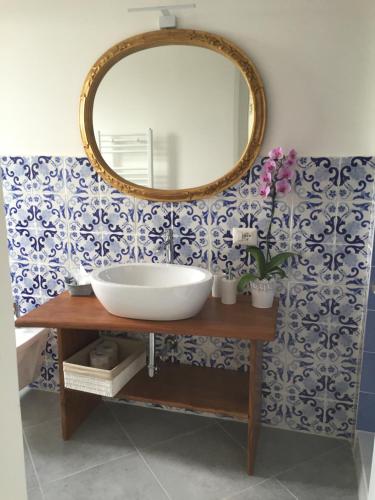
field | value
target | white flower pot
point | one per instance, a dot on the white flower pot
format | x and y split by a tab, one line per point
263	293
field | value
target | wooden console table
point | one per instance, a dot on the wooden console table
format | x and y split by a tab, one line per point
226	392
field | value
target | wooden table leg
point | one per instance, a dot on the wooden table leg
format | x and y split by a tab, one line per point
255	400
75	406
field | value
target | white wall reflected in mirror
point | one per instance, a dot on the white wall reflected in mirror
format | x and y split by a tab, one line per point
172	117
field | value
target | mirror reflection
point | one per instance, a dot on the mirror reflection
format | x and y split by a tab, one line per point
172	117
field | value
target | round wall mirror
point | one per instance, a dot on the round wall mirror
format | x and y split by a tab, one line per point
172	115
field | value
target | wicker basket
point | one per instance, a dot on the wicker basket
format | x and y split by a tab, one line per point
79	375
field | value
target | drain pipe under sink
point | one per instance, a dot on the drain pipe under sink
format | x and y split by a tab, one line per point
152	369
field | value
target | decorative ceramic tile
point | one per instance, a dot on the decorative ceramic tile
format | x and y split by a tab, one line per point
347	305
273	408
354	223
317	179
51	279
23	244
313	226
189	217
26	303
192	249
313	267
304	414
48	174
191	233
50	211
85	249
342	379
339	419
118	215
150	250
16	173
25	279
224	254
52	246
224	217
256	214
356	178
20	209
306	360
118	248
273	372
350	265
277	347
59	215
49	378
153	220
309	303
81	178
213	352
85	214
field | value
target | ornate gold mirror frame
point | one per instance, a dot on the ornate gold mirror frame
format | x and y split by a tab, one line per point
156	39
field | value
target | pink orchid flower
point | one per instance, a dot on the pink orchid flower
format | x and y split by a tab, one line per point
276	153
269	166
283	187
264	190
266	177
285	172
289	162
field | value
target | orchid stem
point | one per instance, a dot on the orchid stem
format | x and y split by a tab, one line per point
273	197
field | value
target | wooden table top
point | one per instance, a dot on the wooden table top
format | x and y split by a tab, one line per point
239	320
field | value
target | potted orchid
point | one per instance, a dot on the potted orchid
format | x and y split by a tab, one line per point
276	180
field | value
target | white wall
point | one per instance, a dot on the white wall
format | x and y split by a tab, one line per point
12	472
316	58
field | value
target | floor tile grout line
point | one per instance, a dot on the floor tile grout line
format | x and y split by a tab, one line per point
285	488
99	464
33	464
140	454
80	471
183	434
42	422
230	435
274	476
154	475
316	457
248	488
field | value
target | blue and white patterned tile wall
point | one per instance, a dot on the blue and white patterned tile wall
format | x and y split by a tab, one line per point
60	214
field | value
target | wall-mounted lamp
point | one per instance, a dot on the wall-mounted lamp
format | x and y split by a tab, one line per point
167	19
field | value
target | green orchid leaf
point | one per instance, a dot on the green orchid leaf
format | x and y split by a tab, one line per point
278	260
259	259
277	270
245	280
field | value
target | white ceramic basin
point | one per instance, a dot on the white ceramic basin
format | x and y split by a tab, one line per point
152	291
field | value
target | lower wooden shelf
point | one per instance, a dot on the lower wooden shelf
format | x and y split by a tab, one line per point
211	390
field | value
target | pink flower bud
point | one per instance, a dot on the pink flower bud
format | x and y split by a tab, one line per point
292	155
269	166
276	154
285	172
266	178
283	187
264	190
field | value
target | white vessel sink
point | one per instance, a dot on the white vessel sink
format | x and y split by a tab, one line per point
152	291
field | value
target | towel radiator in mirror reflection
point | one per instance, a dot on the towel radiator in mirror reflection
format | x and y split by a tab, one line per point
131	155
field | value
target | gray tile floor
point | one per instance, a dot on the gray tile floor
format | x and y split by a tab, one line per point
131	453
